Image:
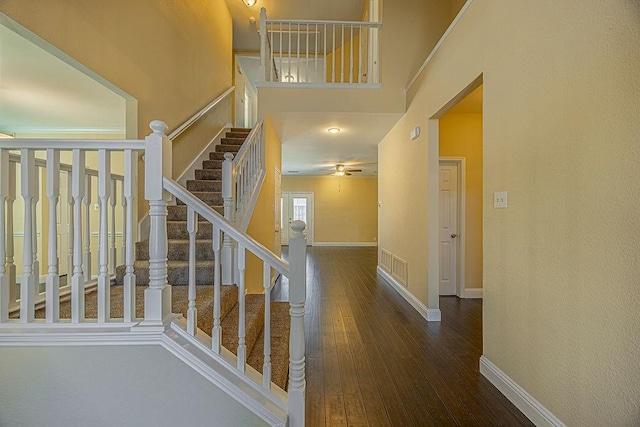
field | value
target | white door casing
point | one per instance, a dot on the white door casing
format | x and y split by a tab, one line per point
278	209
297	206
448	188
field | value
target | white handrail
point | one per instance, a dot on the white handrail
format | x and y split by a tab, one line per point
226	226
367	24
173	135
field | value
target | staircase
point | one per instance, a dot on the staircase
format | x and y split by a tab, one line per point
208	187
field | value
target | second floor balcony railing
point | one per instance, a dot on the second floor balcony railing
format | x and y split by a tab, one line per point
319	52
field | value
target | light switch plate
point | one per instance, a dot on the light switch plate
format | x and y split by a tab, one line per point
500	200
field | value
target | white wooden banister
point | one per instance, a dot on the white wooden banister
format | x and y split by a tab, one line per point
52	287
157	297
28	281
104	281
297	299
113	252
321	53
10	251
87	227
4	278
77	192
130	189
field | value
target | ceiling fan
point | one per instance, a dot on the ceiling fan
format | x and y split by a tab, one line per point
342	171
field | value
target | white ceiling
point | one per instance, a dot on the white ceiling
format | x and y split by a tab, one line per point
40	94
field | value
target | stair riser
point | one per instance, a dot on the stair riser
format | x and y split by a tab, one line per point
211	199
232	141
212	164
209	173
176	276
224	148
178	251
178	230
240	135
244	130
179	212
216	156
204	185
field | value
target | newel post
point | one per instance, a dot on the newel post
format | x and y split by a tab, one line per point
157	297
263	44
297	298
227	198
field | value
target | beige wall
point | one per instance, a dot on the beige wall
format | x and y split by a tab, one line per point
263	223
461	136
345	209
561	105
173	57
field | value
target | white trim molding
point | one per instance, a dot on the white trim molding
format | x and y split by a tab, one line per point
472	293
430	314
526	403
358	244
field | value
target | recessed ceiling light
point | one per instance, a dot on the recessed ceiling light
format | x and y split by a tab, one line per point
333	130
249	2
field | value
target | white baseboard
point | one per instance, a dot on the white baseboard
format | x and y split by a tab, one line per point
430	314
358	244
529	406
472	293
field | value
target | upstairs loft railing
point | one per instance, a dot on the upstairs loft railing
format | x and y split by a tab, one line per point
319	52
159	189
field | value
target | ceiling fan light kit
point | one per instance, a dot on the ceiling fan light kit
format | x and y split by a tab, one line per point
249	2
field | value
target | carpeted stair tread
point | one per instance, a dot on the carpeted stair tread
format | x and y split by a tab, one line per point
209	173
204	185
178	250
178	230
280	326
232	141
177	272
233	134
217	156
254	320
212	164
210	198
227	148
247	130
179	213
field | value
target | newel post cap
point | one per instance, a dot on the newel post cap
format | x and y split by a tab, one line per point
159	127
298	227
228	156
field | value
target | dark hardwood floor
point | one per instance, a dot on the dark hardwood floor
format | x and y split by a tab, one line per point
372	360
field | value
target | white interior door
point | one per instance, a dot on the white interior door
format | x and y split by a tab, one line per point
297	206
448	228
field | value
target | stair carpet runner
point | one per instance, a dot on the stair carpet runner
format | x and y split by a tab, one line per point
208	187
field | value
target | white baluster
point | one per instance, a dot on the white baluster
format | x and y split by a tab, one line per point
28	282
123	202
70	237
130	188
77	192
266	366
52	287
216	332
4	278
227	198
113	255
192	229
87	227
34	227
157	297
11	267
297	298
351	55
242	347
104	281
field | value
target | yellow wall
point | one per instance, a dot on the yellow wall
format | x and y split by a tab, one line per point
561	105
345	209
262	225
461	136
173	57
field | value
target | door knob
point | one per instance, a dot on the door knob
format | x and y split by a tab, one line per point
454	235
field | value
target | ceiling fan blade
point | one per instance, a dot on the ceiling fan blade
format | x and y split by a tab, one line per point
353	170
347	173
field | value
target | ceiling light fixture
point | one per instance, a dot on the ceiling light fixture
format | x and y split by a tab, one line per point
333	130
249	2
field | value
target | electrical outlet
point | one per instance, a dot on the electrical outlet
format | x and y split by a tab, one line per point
500	200
96	207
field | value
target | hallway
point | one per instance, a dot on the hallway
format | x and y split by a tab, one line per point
373	360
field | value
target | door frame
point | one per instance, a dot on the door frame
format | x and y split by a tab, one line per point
310	210
461	164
